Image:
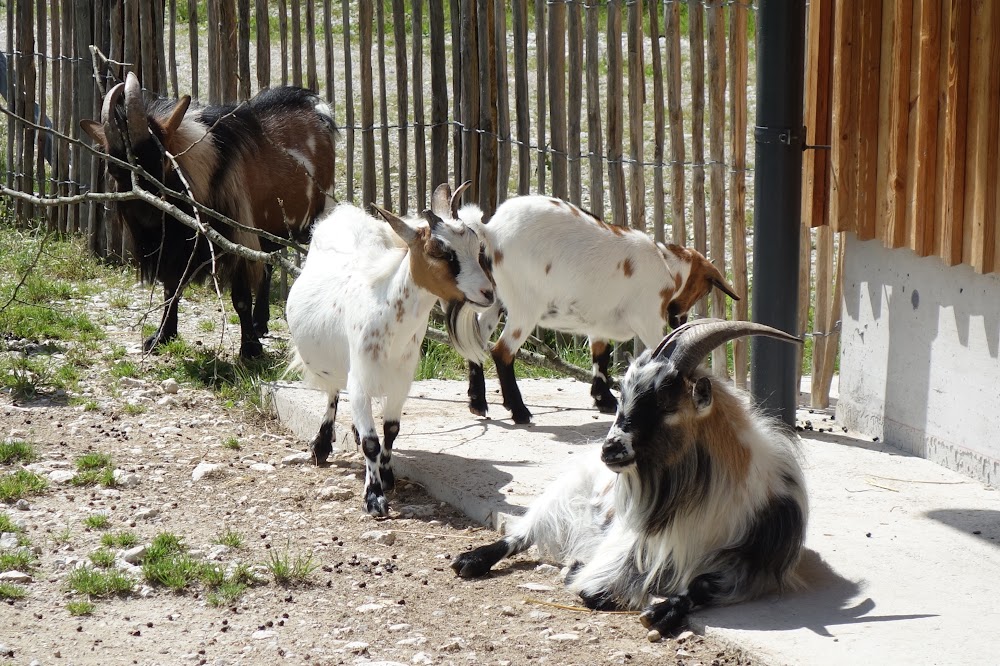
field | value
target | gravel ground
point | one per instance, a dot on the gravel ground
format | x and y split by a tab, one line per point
382	591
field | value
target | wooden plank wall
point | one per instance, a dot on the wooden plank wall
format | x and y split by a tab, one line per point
914	106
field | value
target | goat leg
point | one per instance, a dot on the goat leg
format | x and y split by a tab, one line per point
604	399
262	302
477	389
168	324
322	446
668	615
250	346
477	562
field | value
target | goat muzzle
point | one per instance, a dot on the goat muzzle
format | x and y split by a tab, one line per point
615	452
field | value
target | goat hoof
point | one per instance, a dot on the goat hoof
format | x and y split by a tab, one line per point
521	417
321	452
665	617
470	565
251	349
606	406
478	408
599	601
376	505
150	344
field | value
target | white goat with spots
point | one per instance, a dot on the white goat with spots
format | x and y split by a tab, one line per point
359	311
693	495
562	268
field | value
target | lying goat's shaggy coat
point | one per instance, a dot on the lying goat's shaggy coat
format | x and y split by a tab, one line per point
695	497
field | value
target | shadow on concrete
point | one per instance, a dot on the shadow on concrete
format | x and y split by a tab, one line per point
823	602
854	442
577	433
981	523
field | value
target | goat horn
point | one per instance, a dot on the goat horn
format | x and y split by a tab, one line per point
433	219
456	198
135	111
689	344
441	200
111	132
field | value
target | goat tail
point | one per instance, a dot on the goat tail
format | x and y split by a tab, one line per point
463	329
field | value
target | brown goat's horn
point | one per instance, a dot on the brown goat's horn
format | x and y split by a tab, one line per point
441	200
111	132
135	111
456	198
688	345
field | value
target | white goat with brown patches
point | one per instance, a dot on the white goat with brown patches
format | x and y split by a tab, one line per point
560	267
695	496
359	311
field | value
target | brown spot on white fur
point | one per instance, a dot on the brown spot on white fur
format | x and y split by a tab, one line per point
517	334
598	347
497	258
502	353
720	435
628	268
400	311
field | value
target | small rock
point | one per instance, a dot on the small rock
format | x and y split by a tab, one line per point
134	555
508	611
167	401
368	608
8	540
334	493
125	479
263	634
421	658
399	627
546	569
262	467
170	430
22	505
146	591
417	510
564	638
206	469
6	651
357	647
302	458
384	537
14	577
454	645
130	382
536	587
654	636
217	552
148	512
61	476
539	615
684	635
170	386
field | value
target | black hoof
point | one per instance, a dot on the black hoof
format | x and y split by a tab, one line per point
376	504
150	344
471	565
606	404
477	407
521	416
667	616
599	601
251	349
320	452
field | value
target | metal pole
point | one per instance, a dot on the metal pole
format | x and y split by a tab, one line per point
777	195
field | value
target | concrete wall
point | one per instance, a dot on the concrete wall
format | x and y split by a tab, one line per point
920	366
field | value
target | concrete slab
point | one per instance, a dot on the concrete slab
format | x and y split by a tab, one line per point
903	555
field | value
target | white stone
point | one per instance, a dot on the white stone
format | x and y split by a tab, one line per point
417	510
508	611
384	537
399	627
61	476
133	555
263	634
8	540
540	615
454	645
357	647
206	469
217	551
421	658
125	479
536	587
130	382
170	430
170	386
168	401
262	467
546	569
416	640
334	493
14	577
144	514
39	468
563	638
368	608
302	458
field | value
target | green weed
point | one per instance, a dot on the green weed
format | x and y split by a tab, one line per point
230	538
232	443
103	558
97	521
21	559
95	583
19	484
288	570
119	539
10	591
17	451
8	525
79	608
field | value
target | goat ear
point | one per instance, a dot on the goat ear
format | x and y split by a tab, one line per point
176	116
403	229
95	131
701	393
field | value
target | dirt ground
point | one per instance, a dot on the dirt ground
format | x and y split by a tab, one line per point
366	602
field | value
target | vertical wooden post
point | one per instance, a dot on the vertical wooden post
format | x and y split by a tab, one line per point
192	38
439	96
557	97
457	84
419	133
575	107
636	99
283	37
402	104
367	105
243	49
821	308
348	98
263	44
330	79
519	22
148	73
487	121
11	94
737	179
214	53
26	78
696	39
870	19
816	163
44	138
227	51
659	131
312	76
55	168
595	143
616	172
159	34
85	108
845	121
503	99
172	49
296	6
540	92
383	107
68	215
717	170
470	98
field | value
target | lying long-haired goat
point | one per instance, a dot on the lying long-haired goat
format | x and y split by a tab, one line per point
266	163
560	267
362	304
696	497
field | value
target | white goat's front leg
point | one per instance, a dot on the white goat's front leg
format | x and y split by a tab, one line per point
390	429
600	390
515	332
487	322
322	445
366	437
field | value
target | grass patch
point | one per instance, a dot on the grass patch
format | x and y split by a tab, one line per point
21	559
79	608
119	540
103	558
232	443
7	524
230	538
95	583
95	468
288	570
167	564
17	451
63	536
97	521
13	592
134	408
20	484
27	377
124	369
206	325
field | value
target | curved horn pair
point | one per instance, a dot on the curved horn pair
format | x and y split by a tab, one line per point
135	114
444	203
689	344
